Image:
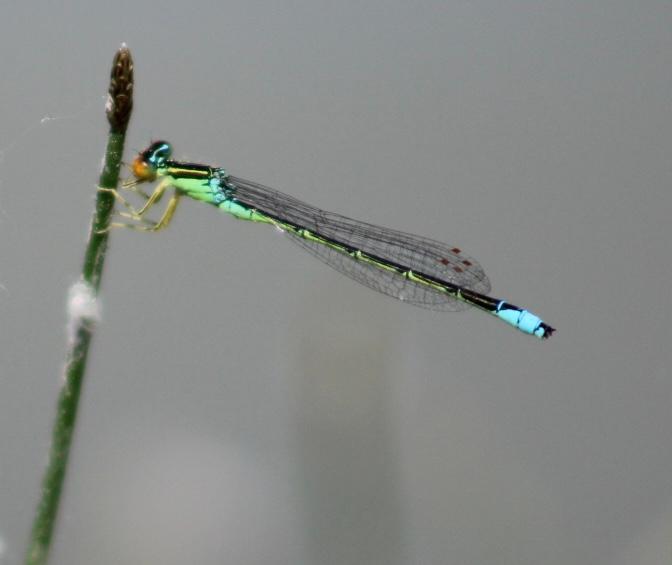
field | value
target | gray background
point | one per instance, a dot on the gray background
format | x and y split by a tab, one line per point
246	404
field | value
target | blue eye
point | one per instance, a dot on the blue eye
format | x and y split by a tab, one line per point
157	153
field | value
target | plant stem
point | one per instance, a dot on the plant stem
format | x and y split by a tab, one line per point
119	106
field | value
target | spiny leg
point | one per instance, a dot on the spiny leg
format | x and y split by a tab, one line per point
137	190
133	212
133	185
151	200
153	226
149	225
168	214
135	218
138	215
155	197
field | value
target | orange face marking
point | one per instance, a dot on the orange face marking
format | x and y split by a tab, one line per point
142	170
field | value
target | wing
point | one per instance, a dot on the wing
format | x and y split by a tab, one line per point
421	254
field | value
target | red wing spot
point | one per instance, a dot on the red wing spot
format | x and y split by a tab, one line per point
458	269
444	261
456	250
467	263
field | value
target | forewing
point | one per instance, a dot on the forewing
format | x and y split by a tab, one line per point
420	254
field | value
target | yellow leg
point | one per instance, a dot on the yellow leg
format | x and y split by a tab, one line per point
119	198
139	214
167	215
152	199
155	196
153	226
133	187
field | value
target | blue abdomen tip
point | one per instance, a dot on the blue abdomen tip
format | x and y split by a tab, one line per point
524	320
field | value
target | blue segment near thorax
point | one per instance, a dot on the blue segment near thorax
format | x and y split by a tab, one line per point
209	186
212	186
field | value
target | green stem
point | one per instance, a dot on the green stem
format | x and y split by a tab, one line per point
119	107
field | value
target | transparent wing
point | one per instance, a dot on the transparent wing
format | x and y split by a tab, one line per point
421	254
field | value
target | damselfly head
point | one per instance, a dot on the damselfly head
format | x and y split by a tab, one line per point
147	163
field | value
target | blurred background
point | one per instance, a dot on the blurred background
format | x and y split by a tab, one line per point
246	404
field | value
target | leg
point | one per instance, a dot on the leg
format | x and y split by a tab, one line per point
168	214
155	197
139	215
153	226
119	198
151	199
132	185
136	189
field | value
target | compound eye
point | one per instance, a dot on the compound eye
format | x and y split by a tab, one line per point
162	152
157	153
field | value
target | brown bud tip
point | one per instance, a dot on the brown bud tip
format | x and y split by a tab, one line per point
120	94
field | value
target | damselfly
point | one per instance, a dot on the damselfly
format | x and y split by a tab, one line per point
414	269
